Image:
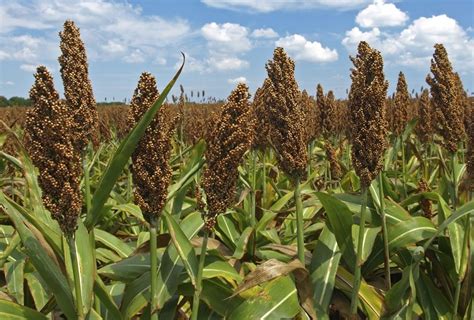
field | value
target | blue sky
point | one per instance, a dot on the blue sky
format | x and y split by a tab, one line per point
227	41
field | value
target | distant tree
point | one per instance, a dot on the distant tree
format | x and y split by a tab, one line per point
19	101
3	102
203	93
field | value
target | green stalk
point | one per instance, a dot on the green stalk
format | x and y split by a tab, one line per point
384	233
310	150
264	178
87	185
153	270
77	276
360	240
405	193
465	239
253	186
197	292
299	221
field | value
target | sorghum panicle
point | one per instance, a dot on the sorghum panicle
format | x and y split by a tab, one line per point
230	138
49	142
309	113
77	86
259	106
286	116
402	101
150	167
445	92
424	126
367	113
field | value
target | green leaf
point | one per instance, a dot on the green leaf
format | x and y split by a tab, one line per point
14	275
276	300
227	229
431	299
46	267
183	246
86	265
122	154
241	245
113	243
368	240
409	232
371	299
136	292
220	269
106	299
37	289
326	256
11	310
127	269
340	223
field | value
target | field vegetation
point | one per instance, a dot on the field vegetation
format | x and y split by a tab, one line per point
272	205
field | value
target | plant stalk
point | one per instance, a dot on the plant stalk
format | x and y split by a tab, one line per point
299	220
388	281
360	240
197	292
264	178
405	193
153	270
253	204
77	276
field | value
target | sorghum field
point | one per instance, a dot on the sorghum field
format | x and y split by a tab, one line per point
272	205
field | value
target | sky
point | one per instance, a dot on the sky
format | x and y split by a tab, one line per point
229	41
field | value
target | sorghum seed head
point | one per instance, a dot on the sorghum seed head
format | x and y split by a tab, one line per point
260	106
402	101
150	167
445	92
49	142
367	113
286	116
77	86
230	138
424	126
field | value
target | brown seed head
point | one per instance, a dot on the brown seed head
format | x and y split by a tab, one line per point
230	139
402	101
334	165
310	116
77	87
424	126
286	116
470	150
367	113
49	142
150	167
445	92
260	106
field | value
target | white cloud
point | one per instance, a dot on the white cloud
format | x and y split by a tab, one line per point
4	55
113	46
136	56
226	37
237	80
381	14
28	67
302	49
413	46
7	83
110	29
227	63
267	33
160	61
272	5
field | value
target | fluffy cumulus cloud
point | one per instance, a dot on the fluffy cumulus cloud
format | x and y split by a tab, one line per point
413	45
109	28
237	80
229	37
302	49
272	5
381	14
226	43
267	33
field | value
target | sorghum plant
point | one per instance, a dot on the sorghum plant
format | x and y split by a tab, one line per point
369	128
